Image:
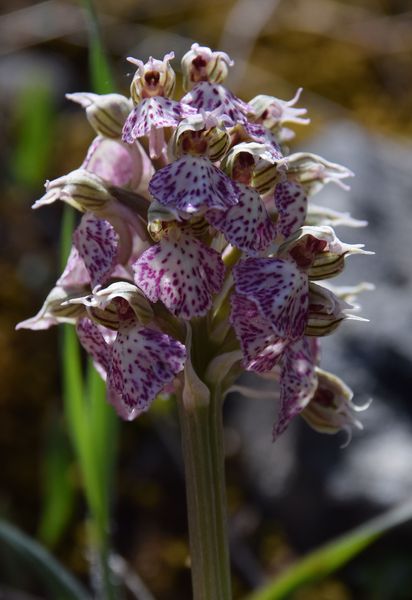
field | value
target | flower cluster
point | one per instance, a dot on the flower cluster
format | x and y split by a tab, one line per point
199	253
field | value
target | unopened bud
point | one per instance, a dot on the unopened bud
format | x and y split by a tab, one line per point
313	172
101	304
55	310
321	215
80	188
349	293
106	113
331	408
273	113
326	311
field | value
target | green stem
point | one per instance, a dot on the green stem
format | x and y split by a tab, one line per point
202	439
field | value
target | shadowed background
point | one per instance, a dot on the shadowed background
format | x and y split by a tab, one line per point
354	60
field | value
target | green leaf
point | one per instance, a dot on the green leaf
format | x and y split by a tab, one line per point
52	574
81	427
100	72
34	114
331	556
66	233
58	491
103	431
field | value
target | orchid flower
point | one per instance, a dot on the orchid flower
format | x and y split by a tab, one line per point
151	87
273	113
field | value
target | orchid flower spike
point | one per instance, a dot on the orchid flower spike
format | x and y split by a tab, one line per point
199	254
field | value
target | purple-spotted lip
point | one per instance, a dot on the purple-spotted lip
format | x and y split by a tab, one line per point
183	273
279	290
291	202
212	97
156	112
98	245
298	382
246	225
192	184
261	347
137	362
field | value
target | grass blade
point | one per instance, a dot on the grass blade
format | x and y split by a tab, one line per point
34	116
52	574
59	494
103	432
100	72
331	556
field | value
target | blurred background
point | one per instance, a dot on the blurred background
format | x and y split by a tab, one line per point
354	61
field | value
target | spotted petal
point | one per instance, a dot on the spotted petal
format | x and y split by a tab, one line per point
182	273
154	113
96	339
97	243
210	97
75	275
291	203
261	348
279	290
298	383
191	184
246	225
143	361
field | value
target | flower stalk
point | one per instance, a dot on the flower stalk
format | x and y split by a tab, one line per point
203	453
